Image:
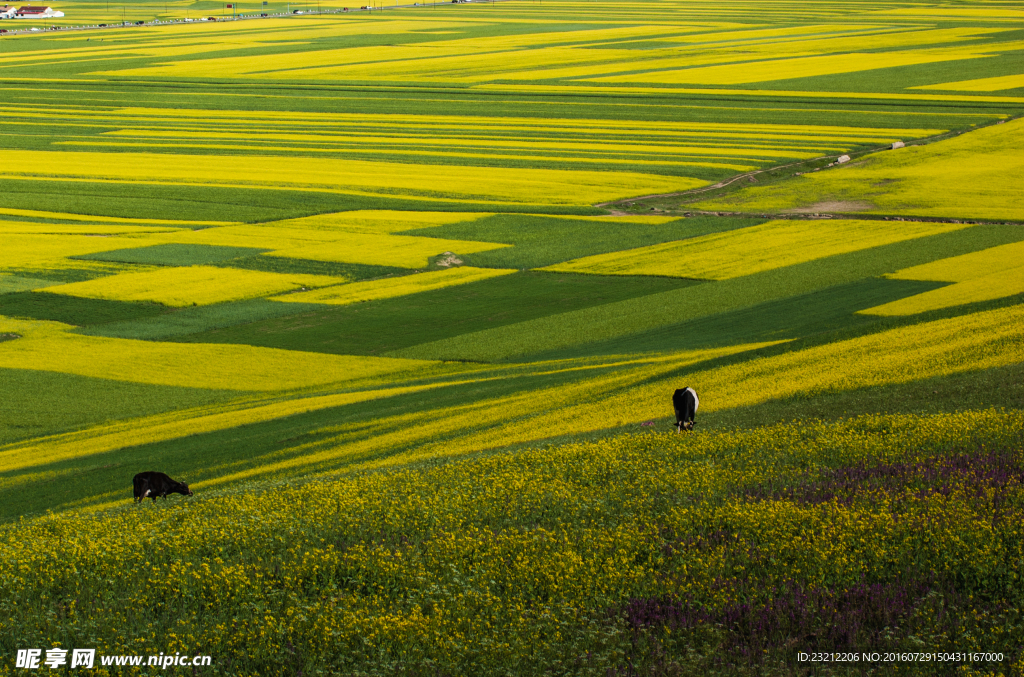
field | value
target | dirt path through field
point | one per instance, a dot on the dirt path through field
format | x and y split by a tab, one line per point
827	207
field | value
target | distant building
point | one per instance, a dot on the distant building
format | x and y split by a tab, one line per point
8	12
29	12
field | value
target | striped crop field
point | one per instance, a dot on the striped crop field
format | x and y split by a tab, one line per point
403	294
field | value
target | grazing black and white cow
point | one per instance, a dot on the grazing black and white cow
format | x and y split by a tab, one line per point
157	484
685	402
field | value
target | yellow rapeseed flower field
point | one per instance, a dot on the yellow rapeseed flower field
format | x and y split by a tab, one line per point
29	228
979	276
192	285
981	288
521	507
32	250
993	84
1002	259
247	410
751	250
49	346
52	217
359	177
534	556
968	343
802	67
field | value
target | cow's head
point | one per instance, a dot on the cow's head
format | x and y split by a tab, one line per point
183	489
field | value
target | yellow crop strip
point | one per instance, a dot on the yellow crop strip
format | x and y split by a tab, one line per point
372	290
990	274
48	346
429	153
8	228
751	250
437	182
162	427
330	124
993	84
36	250
813	31
948	13
835	38
62	216
981	288
769	93
992	261
191	285
784	69
743	145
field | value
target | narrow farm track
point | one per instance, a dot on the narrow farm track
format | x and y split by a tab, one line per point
691	195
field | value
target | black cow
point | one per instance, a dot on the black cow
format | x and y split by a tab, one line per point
685	402
157	484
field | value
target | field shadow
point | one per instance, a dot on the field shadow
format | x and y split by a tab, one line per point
378	327
825	310
248	448
539	241
75	310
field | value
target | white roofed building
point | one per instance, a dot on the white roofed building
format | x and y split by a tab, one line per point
31	12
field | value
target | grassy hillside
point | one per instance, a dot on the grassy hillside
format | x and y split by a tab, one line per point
706	554
350	277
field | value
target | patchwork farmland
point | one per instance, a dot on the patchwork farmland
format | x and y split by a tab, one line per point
403	296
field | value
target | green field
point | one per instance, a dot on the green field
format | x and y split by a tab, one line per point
403	296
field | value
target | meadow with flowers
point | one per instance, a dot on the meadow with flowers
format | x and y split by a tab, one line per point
646	553
403	296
